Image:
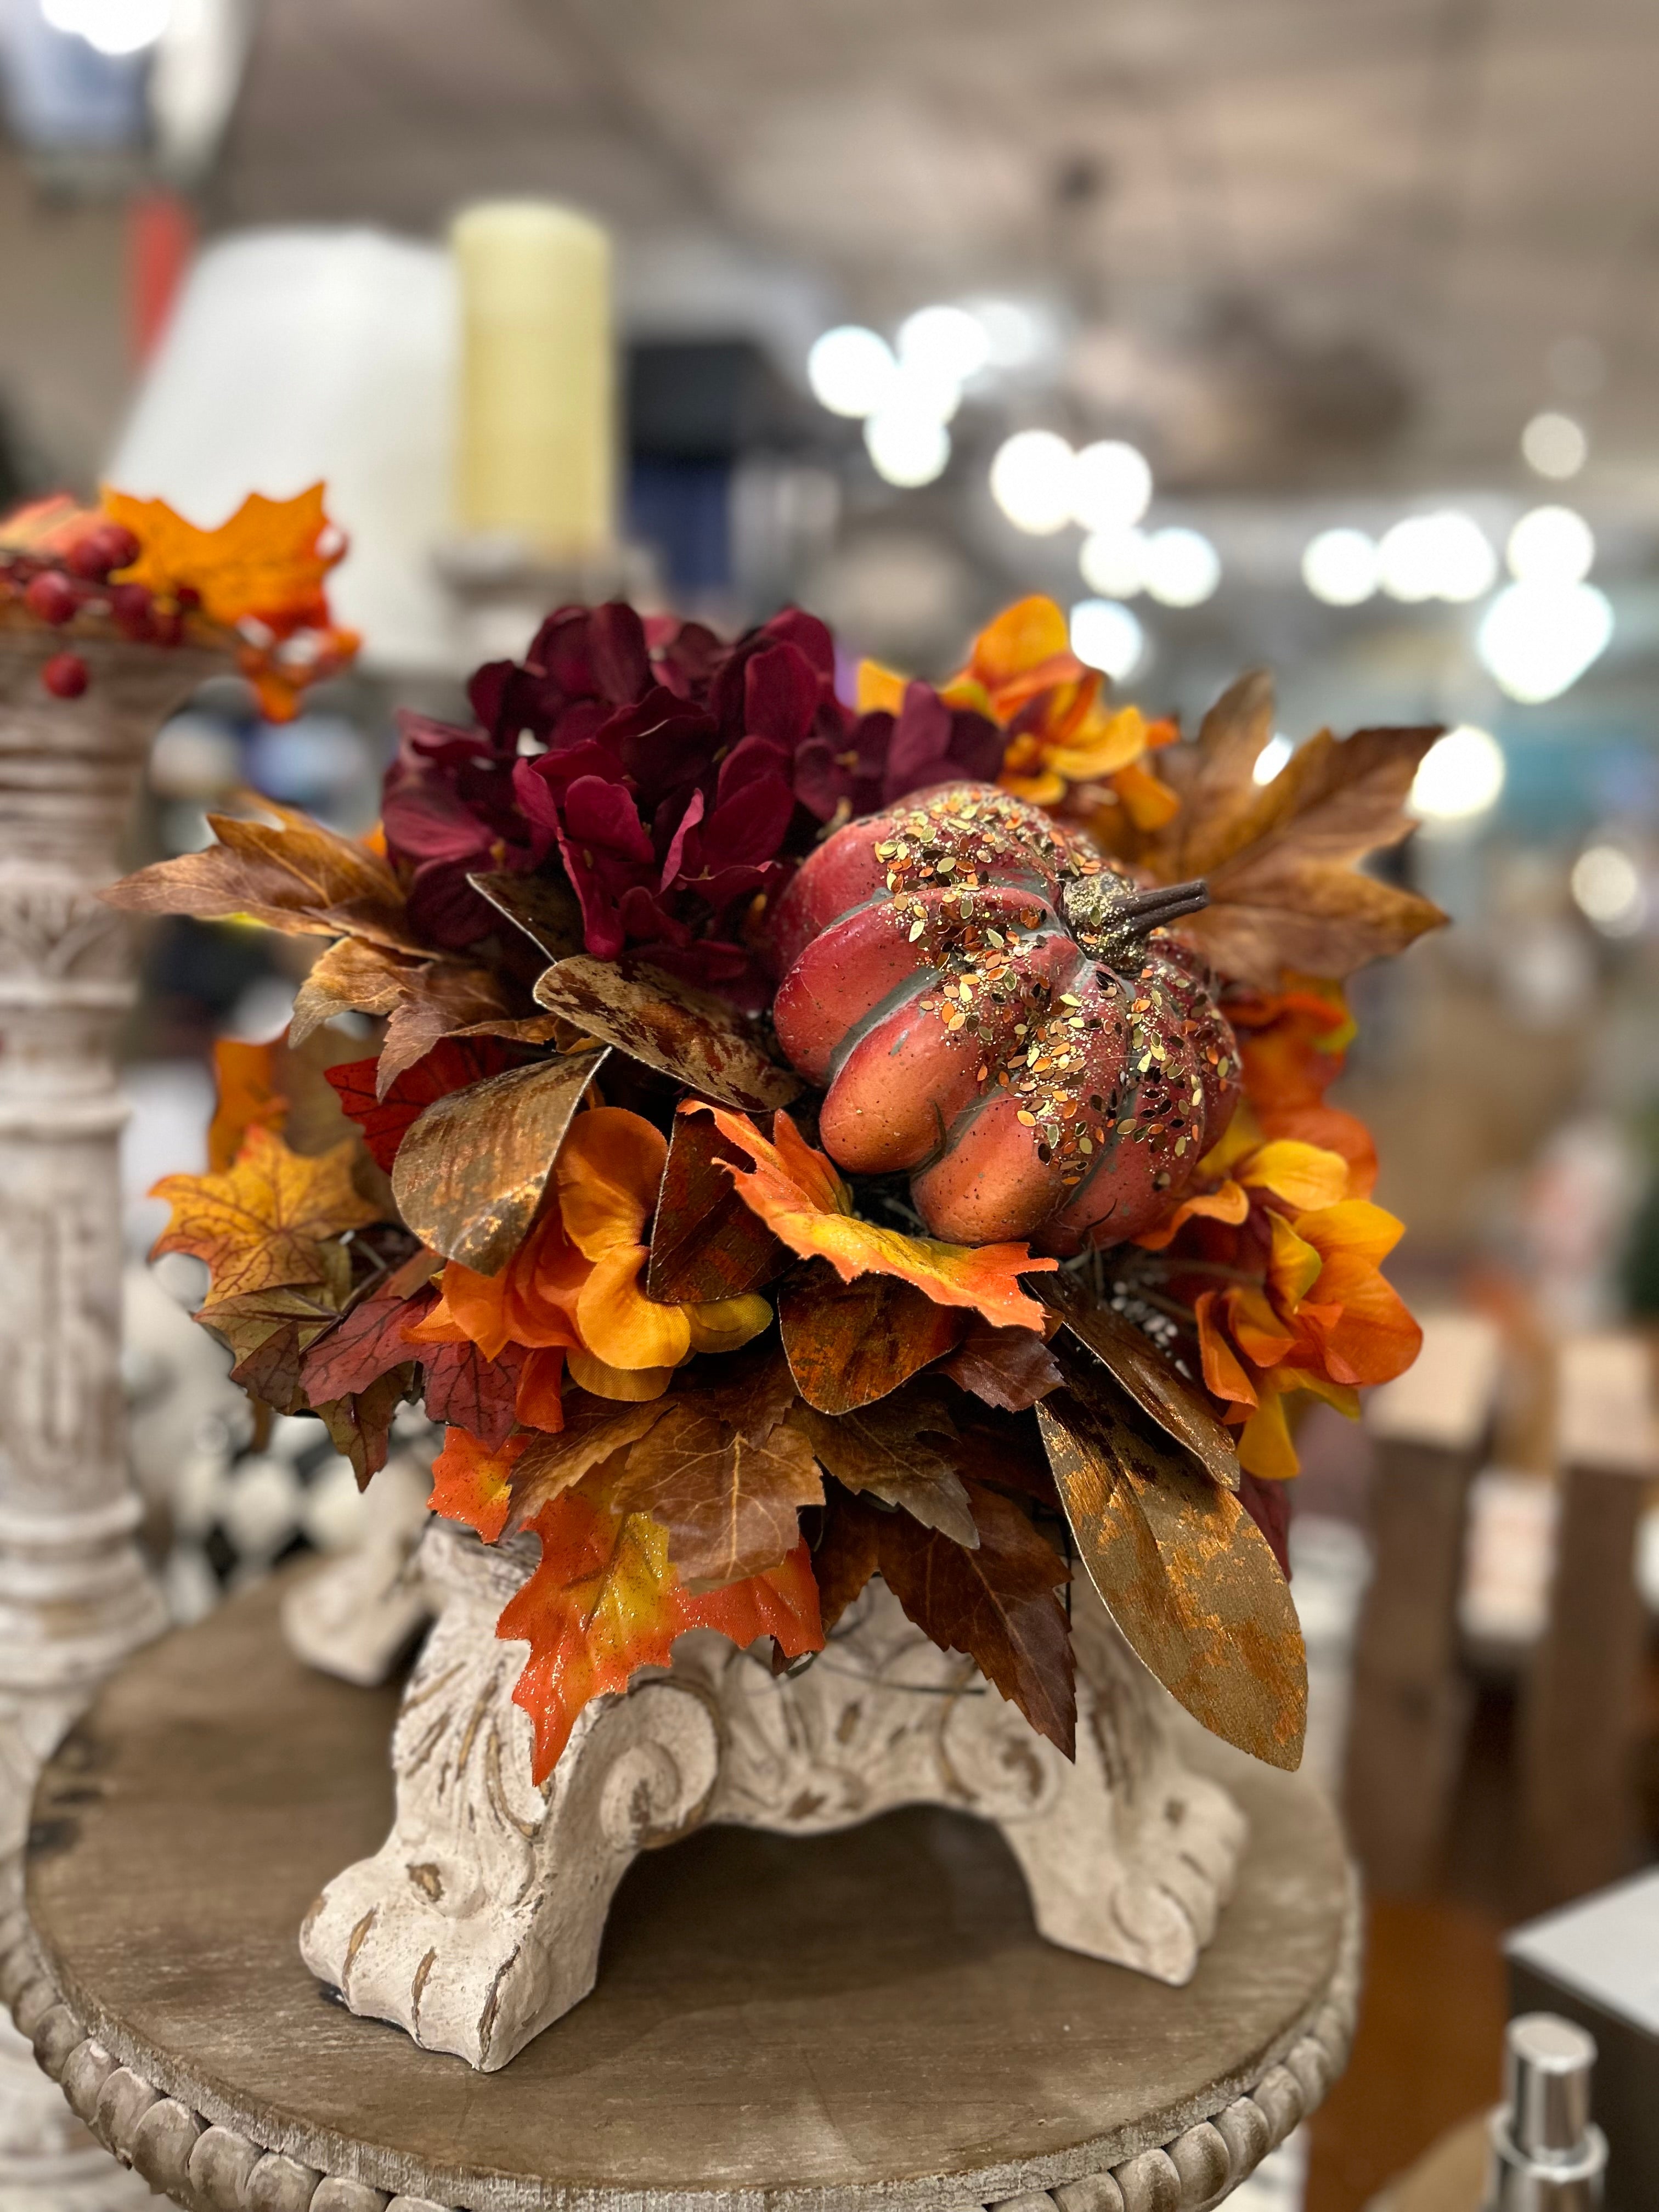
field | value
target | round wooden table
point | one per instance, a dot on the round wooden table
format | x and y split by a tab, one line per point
864	2022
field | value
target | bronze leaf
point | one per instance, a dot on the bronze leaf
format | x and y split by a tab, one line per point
472	1169
1178	1406
652	1016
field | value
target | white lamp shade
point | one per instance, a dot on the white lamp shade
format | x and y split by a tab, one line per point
297	355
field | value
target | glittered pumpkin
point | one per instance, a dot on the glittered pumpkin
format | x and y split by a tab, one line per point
997	1012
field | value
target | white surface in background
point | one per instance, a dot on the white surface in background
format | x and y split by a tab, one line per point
1330	1567
1607	1947
1279	2182
308	354
170	1105
1507	1557
1445	1398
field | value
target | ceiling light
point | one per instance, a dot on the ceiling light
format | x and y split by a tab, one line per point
1182	568
113	27
944	342
1551	545
1340	567
1607	890
1031	480
1436	556
851	370
1554	445
1111	485
1113	562
1016	336
908	446
1272	758
1108	637
1538	639
1460	776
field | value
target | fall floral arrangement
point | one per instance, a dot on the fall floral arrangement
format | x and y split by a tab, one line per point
810	1140
132	569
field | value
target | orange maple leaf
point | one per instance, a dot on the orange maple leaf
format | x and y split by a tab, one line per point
247	1098
797	1194
264	1221
473	1484
268	561
605	1601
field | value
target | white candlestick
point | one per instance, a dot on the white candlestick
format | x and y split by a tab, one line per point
537	444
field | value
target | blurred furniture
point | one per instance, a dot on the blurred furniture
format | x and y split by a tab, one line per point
75	1596
1597	1963
1410	1703
1449	2177
867	2019
1582	1697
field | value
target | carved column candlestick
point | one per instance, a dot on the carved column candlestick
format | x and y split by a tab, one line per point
75	1596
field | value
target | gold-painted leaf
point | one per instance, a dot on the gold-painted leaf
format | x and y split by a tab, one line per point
543	908
471	1172
684	1033
1178	1408
1185	1573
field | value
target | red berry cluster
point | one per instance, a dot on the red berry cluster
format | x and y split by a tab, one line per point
55	588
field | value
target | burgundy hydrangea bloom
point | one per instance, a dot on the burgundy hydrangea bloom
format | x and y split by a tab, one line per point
672	777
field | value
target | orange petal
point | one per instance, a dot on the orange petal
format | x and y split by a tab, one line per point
1223	1374
1265	1448
620	1325
1023	637
470	1484
880	690
1375	1338
632	1385
1148	800
797	1194
727	1324
1355	1229
1043	789
1256	1328
609	1168
1304	1176
442	1325
538	1404
1294	1266
1229	1204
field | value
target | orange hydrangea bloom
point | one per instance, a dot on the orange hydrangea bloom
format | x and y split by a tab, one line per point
1023	675
572	1288
1292	1044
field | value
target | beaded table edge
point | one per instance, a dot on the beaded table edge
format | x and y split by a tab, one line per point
209	2168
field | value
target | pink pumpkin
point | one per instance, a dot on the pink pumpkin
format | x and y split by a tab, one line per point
1001	1014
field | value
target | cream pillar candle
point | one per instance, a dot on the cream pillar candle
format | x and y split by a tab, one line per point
537	457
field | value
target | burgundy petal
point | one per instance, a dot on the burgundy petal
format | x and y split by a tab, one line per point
780	696
755	756
616	651
674	859
604	814
921	735
426	821
810	637
444	907
976	745
487	691
750	825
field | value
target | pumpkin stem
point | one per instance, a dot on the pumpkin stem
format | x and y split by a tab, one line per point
1102	909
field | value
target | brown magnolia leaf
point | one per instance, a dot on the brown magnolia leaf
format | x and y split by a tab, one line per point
1184	1572
1003	1451
265	1221
1178	1408
846	1556
849	1343
361	1425
446	998
686	1034
998	1604
471	1171
350	977
595	1430
546	910
1008	1368
480	1395
268	1332
899	1450
706	1243
751	1390
300	877
731	1508
366	1343
1215	776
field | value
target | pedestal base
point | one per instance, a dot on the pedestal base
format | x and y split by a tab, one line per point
865	2021
479	1919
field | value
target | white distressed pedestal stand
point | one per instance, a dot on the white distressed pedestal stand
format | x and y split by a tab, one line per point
478	1921
75	1597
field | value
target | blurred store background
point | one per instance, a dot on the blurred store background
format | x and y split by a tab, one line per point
1253	332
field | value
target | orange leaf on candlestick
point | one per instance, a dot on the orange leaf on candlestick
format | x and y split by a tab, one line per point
269	559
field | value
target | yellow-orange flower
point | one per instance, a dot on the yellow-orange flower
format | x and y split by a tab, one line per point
573	1288
1023	675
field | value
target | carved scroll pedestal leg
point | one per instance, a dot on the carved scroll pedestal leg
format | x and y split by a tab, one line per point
479	1920
75	1597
